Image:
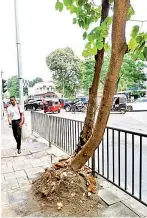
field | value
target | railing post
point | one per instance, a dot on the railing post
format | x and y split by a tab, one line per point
93	164
49	131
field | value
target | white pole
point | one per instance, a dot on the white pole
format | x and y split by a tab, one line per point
19	65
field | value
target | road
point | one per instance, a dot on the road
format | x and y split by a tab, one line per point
113	149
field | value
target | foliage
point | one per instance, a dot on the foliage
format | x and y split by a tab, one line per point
132	73
34	81
13	86
87	13
138	44
66	68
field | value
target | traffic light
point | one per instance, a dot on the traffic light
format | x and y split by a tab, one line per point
4	85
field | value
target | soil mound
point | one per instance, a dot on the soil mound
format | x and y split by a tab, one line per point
63	192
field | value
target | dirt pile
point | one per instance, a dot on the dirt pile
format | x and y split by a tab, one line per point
63	192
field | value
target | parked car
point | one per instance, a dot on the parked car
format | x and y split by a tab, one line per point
69	105
34	105
51	105
139	105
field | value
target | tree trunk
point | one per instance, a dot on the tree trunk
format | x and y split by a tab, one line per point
117	54
116	89
92	102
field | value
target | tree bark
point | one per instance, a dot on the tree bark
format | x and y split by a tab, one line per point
117	83
92	102
117	53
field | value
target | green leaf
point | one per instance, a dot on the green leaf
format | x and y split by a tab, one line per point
141	56
91	37
85	53
74	20
135	31
84	35
66	2
145	36
107	46
139	39
99	9
145	52
132	44
131	12
70	2
59	6
93	50
99	45
109	20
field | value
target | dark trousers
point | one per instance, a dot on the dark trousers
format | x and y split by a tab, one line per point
17	132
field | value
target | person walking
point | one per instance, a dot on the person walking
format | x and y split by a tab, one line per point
16	119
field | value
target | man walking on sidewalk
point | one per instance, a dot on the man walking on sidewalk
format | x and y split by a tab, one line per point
16	119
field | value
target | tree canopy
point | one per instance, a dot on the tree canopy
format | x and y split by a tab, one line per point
66	69
34	81
131	73
13	85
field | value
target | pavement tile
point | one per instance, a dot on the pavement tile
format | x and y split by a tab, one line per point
22	166
8	153
40	154
16	162
33	177
7	169
2	178
46	158
118	210
17	174
4	198
136	206
112	195
23	181
42	163
103	183
7	211
8	185
7	160
34	170
25	152
33	161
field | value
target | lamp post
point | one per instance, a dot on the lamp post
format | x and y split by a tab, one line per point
19	65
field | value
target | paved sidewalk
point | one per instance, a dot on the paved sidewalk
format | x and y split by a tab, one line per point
18	172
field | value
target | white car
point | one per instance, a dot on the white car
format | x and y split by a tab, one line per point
139	105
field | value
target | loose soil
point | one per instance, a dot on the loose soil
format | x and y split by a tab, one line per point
62	192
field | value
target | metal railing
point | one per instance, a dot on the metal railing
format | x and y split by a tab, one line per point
121	158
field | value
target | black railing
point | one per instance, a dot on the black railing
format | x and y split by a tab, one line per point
121	157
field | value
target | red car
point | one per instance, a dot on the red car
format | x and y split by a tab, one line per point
51	105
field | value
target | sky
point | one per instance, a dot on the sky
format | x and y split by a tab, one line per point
42	29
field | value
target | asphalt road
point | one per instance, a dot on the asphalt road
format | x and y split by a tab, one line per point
114	155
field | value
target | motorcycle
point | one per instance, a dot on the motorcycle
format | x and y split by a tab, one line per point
78	107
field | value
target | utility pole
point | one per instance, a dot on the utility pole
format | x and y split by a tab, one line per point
19	65
2	106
